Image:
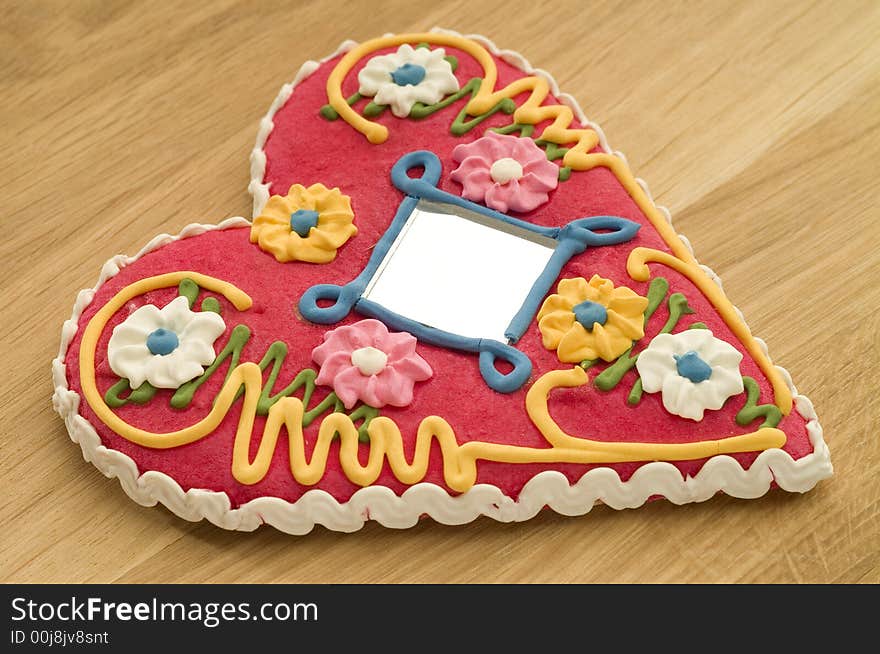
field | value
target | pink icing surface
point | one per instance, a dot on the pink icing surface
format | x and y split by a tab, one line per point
304	148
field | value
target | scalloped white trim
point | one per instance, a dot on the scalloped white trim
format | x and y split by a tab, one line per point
721	473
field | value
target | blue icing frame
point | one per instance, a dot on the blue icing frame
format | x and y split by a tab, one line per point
571	239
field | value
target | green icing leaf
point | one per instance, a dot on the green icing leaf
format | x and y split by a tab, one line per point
211	304
657	290
188	289
328	113
372	109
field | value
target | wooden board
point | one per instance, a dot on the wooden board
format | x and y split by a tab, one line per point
755	123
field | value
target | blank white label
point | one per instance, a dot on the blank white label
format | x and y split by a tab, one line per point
460	272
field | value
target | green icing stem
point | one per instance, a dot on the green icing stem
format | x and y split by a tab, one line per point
524	129
611	376
275	355
752	410
656	292
635	393
141	395
330	113
237	339
678	307
698	325
366	414
554	151
460	125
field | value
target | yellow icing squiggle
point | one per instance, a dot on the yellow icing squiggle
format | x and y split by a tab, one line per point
386	441
531	112
618	452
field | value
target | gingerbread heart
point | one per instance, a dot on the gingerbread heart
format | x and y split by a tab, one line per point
454	300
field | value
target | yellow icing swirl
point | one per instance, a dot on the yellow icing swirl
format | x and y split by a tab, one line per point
386	441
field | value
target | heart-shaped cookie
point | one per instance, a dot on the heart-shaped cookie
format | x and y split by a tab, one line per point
454	300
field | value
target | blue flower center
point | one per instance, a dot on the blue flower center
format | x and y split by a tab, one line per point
302	221
162	341
691	366
408	74
589	313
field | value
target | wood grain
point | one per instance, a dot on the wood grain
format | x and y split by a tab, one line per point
755	123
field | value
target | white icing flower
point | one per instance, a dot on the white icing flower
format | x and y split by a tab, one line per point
694	370
165	347
410	75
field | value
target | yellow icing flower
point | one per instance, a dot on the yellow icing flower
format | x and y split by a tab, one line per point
307	224
591	320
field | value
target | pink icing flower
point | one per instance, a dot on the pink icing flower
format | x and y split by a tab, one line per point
504	172
366	362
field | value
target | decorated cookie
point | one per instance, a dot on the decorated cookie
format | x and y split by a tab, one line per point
453	300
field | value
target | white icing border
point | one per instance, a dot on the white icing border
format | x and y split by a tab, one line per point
721	473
